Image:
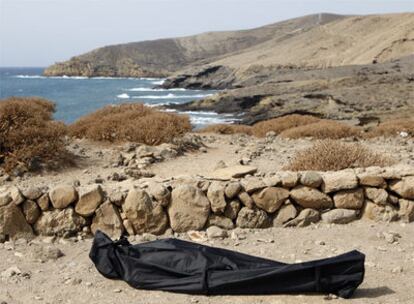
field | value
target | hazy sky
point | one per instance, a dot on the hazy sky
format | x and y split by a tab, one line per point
41	32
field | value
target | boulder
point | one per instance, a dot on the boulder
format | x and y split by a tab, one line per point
286	213
404	187
116	198
311	179
379	213
335	181
232	189
232	172
339	216
62	196
13	224
246	199
5	199
160	193
59	222
349	199
16	195
289	179
89	200
270	199
107	219
31	211
215	195
252	218
311	198
43	202
232	209
220	221
406	211
253	184
378	196
144	214
32	193
272	181
305	218
215	232
372	180
189	209
128	227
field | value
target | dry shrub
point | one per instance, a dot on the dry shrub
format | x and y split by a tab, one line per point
227	129
332	155
393	128
322	129
281	124
131	122
28	135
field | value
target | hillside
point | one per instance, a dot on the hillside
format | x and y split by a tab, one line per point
164	56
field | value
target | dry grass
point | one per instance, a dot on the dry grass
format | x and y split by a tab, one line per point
332	155
29	138
131	122
393	128
227	129
281	124
323	129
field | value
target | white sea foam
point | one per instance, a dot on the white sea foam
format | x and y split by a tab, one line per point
156	90
158	82
154	80
123	96
171	96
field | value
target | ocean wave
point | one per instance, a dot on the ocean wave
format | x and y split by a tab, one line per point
156	90
171	96
158	82
123	96
155	81
152	105
199	120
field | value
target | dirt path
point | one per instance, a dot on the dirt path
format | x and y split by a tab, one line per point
73	278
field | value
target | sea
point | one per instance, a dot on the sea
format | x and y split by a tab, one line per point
77	96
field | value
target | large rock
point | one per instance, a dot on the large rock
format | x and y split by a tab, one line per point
215	195
220	221
232	209
372	180
5	199
404	187
349	199
59	222
246	199
144	214
379	213
311	179
406	211
270	199
378	196
311	198
232	172
189	209
232	189
214	232
339	216
160	193
108	220
31	211
13	224
32	193
252	218
335	181
16	195
286	213
253	184
305	218
289	179
89	200
43	202
62	196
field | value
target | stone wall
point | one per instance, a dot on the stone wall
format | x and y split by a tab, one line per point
285	199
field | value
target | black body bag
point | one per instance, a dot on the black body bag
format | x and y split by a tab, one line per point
186	267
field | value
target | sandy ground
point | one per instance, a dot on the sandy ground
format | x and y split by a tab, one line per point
74	279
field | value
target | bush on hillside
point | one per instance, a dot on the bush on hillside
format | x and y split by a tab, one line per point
131	122
393	128
29	138
281	124
227	129
323	129
332	155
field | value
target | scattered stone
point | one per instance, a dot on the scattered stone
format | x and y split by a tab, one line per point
397	269
378	196
232	172
311	198
406	211
339	216
62	196
197	236
220	221
232	209
305	218
232	189
311	179
246	199
252	218
59	222
335	181
404	187
379	213
13	223
144	214
391	237
89	200
214	232
215	195
108	220
31	211
349	199
270	199
285	214
43	202
10	272
43	253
